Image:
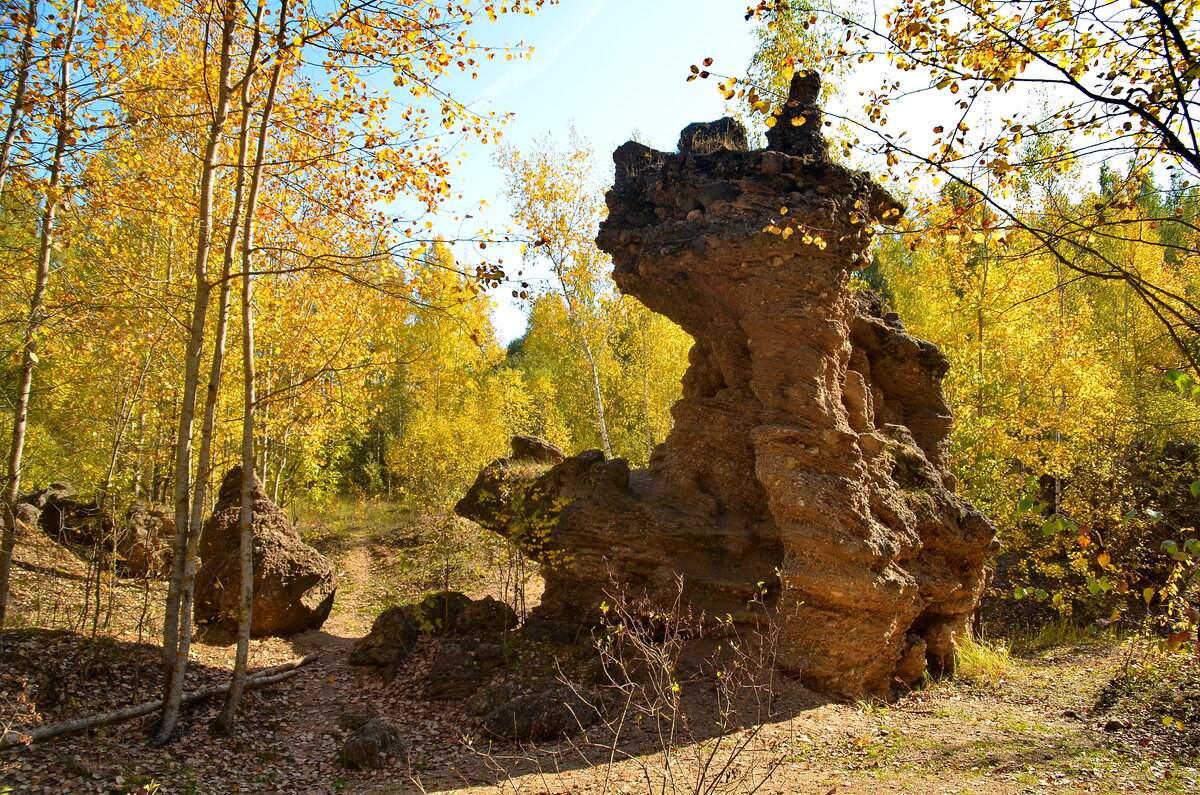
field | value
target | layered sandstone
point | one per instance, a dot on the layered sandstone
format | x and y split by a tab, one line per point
807	467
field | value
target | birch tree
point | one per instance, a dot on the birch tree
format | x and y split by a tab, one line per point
558	205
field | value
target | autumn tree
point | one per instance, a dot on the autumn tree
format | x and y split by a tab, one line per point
558	205
1119	79
57	76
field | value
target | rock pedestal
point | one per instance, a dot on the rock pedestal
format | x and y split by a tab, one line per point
293	583
807	468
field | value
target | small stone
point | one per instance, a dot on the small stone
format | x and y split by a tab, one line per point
772	162
356	716
372	746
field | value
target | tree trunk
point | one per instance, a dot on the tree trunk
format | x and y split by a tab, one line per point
24	61
177	621
224	721
577	324
37	316
646	386
597	395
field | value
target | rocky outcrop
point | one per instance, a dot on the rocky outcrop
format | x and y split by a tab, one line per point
479	624
293	583
65	518
144	542
807	468
141	543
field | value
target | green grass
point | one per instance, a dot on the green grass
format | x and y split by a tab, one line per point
332	527
982	658
1033	641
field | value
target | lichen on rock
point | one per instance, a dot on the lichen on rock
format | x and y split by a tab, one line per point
807	466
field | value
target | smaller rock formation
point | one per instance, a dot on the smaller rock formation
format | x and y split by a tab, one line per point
454	674
27	515
476	623
392	638
294	584
486	617
373	741
64	518
58	490
537	712
144	542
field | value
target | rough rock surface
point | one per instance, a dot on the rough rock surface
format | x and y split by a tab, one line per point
535	712
64	518
478	624
392	638
809	452
144	542
454	673
293	583
486	617
372	745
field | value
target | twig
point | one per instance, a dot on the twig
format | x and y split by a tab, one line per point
266	676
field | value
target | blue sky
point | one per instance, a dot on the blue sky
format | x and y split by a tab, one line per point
609	67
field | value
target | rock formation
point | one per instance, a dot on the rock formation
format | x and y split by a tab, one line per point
293	583
144	542
475	622
64	518
373	741
807	468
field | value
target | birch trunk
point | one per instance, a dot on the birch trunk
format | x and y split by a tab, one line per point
37	316
177	621
16	110
237	684
577	323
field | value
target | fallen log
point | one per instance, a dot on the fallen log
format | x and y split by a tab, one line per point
266	676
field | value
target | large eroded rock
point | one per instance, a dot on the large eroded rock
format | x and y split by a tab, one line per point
293	583
809	453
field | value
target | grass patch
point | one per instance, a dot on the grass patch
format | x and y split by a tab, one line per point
1034	641
333	526
982	659
389	554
